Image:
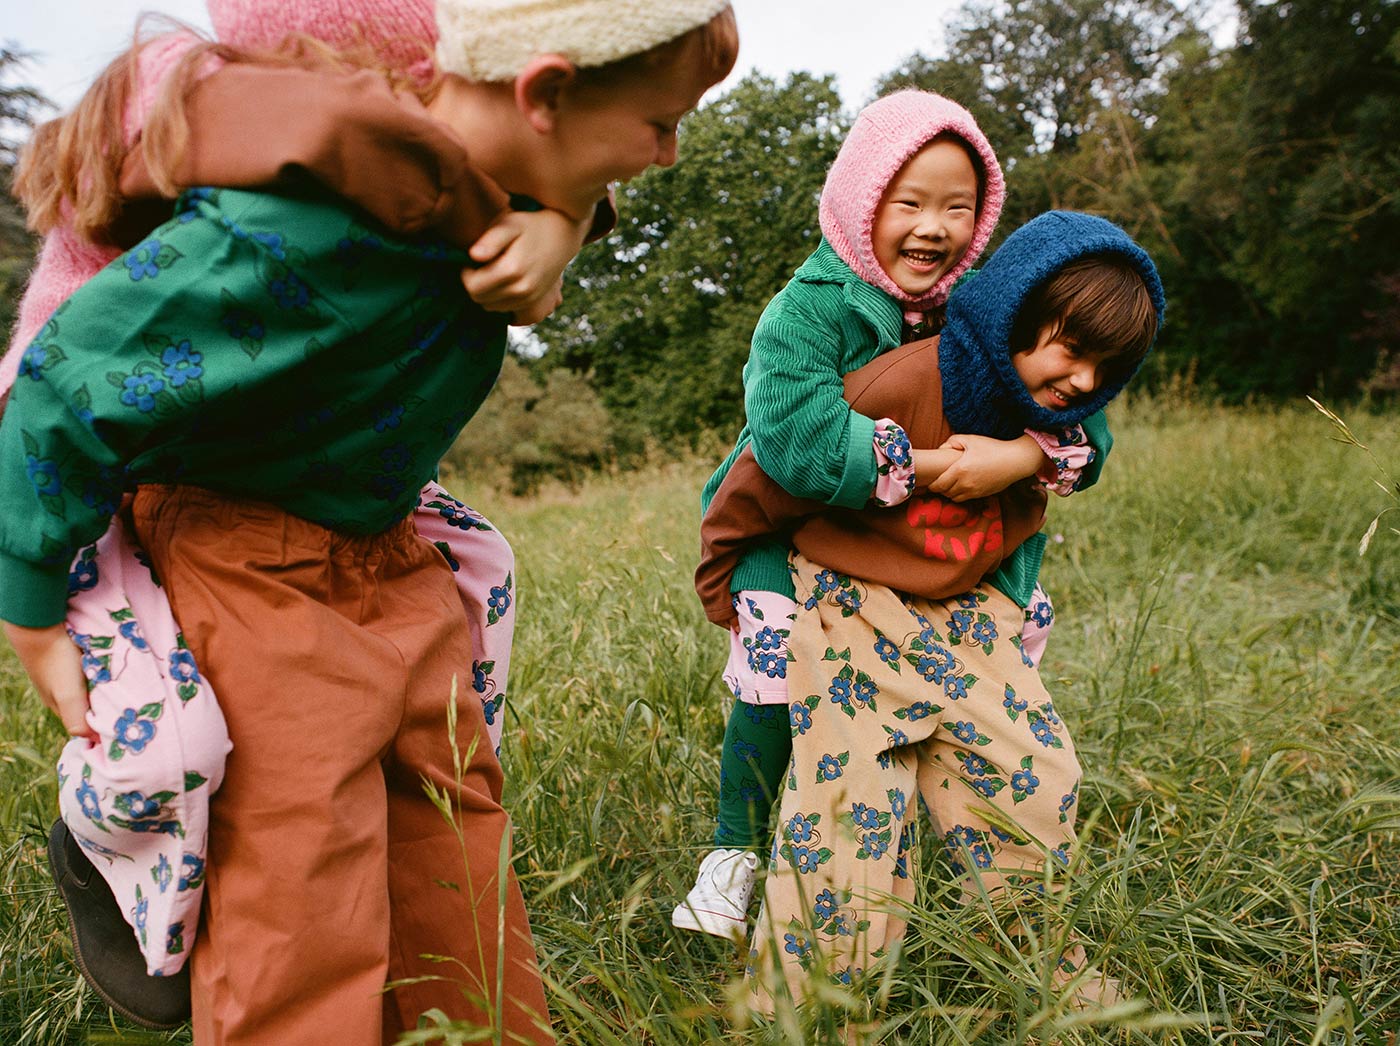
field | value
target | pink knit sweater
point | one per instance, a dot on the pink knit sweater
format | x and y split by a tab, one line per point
67	260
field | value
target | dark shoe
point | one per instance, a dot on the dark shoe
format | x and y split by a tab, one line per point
104	944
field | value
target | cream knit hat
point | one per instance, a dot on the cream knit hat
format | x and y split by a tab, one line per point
492	40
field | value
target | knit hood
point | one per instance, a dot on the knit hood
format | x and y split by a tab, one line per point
885	135
982	393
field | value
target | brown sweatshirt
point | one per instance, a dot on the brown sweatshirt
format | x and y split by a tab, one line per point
928	546
255	126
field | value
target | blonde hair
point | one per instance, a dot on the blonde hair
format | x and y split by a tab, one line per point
69	171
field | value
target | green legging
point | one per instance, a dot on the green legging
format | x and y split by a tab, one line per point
757	747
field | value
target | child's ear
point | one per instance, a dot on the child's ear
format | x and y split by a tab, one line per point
538	87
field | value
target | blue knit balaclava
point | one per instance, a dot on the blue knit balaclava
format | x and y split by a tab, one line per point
982	393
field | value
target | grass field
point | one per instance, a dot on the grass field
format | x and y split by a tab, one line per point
1230	668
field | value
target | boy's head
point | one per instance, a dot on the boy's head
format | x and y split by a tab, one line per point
573	95
400	32
1050	329
913	196
1088	325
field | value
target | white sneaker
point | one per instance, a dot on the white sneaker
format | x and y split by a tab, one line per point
718	903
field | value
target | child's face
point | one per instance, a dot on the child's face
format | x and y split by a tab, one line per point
926	217
612	132
1058	373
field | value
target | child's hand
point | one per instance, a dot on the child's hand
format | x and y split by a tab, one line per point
987	466
520	259
533	312
55	667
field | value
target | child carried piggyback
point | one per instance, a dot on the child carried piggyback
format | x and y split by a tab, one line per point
138	805
910	686
910	202
277	376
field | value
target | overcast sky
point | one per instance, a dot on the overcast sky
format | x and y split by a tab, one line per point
71	40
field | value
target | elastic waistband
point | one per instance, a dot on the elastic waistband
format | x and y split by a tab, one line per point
173	505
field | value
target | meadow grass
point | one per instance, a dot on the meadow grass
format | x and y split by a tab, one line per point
1228	664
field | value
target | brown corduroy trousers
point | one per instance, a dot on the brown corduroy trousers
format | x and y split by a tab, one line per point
330	871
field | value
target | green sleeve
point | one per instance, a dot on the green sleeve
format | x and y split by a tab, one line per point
127	362
805	435
1096	431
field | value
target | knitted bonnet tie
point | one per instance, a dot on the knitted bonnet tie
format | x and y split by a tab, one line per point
492	40
401	32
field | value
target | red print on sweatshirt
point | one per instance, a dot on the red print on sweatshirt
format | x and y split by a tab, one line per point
955	531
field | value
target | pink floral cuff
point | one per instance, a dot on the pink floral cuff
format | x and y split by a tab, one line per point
894	465
1069	452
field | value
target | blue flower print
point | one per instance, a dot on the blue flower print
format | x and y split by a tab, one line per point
139	914
131	632
981	855
767	639
795	945
1024	781
968	601
973	764
140	391
43	475
97	668
897	803
273	242
162	874
984	632
87	799
191	872
863	816
499	599
825	906
141	262
827	581
801	719
800	828
83	576
1041	731
987	786
955	687
31	364
744	751
840	690
1061	854
886	651
140	807
919	710
395	458
935	664
182	666
181	364
1013	703
840	926
240	324
829	768
865	690
289	292
774	666
898	738
806	859
965	732
958	623
388	417
387	487
133	733
175	939
1066	801
1043	614
848	600
874	845
1048	711
897	452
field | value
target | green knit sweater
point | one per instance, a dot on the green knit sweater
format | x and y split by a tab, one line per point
265	347
825	323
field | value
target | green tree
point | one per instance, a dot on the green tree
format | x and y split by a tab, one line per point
661	312
19	104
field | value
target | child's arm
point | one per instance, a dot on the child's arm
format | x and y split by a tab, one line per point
986	466
55	667
522	257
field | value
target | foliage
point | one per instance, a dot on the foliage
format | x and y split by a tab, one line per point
1225	661
19	105
531	430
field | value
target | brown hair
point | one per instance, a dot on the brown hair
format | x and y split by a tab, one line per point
70	168
717	39
1098	304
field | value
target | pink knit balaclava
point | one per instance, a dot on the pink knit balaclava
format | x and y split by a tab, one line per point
402	32
886	134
